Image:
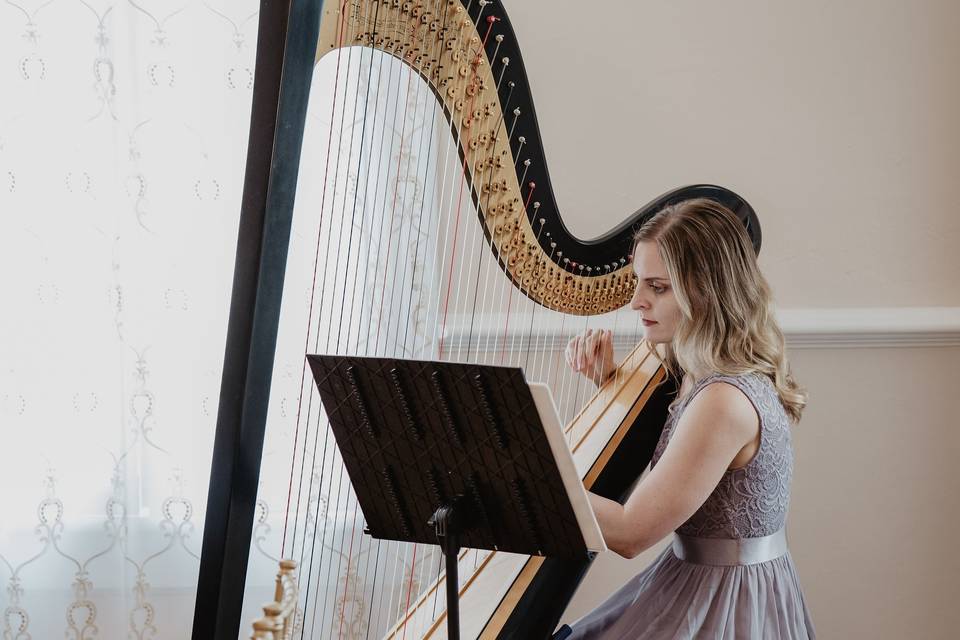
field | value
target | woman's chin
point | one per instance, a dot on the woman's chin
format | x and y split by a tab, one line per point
651	335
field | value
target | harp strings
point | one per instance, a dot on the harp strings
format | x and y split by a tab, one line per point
462	188
485	253
368	252
386	235
304	375
375	347
311	536
332	340
350	322
404	348
305	418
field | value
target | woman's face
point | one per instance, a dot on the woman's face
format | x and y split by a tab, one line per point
654	297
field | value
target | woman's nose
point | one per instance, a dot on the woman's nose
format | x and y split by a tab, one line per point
638	302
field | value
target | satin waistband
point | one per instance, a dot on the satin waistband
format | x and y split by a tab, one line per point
730	552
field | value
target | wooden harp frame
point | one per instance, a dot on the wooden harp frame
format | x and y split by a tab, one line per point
591	278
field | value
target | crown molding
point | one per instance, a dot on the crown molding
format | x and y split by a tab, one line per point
871	327
803	328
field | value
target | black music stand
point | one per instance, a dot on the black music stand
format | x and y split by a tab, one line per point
448	453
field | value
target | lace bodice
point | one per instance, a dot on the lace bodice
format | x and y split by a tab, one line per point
751	501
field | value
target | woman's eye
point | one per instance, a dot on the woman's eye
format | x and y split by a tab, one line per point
657	289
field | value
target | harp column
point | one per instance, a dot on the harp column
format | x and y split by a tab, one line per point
286	48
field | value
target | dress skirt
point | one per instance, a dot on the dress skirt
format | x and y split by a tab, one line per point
676	599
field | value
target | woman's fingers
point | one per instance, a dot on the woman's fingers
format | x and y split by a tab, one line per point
596	352
578	354
593	353
605	344
591	343
603	354
586	351
571	352
581	345
589	351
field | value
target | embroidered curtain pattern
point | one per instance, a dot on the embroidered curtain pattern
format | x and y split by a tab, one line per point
123	129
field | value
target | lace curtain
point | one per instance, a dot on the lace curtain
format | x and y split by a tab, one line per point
123	130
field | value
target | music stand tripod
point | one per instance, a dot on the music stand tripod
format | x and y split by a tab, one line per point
448	453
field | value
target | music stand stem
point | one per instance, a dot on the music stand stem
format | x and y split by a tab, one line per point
446	525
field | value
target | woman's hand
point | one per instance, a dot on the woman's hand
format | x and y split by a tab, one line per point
591	353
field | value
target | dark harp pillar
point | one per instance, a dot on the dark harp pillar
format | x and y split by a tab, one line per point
286	48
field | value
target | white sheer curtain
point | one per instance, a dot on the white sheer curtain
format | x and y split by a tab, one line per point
123	129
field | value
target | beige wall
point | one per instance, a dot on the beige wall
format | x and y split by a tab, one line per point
874	514
838	122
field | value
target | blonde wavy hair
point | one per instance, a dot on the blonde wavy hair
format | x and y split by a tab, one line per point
727	323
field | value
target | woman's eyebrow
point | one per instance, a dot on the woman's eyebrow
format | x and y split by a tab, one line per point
652	278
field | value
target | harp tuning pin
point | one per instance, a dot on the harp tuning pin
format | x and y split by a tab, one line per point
536	205
527	162
499	38
491	19
505	60
623	260
553	245
516	111
532	185
566	261
590	269
543	221
511	84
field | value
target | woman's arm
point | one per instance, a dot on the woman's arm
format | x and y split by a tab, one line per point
717	423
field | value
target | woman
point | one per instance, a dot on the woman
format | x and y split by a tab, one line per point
720	475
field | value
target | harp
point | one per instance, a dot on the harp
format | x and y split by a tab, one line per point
486	240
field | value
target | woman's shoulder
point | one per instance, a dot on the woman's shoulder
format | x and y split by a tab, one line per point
725	395
750	382
744	389
716	417
758	390
745	394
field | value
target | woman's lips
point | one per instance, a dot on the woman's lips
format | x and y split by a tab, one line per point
647	323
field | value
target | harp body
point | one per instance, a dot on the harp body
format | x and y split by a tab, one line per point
467	57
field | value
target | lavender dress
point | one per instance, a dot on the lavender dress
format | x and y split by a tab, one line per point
737	579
